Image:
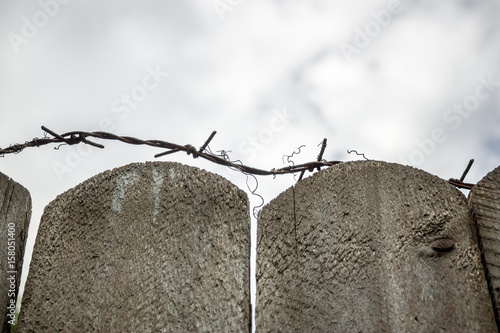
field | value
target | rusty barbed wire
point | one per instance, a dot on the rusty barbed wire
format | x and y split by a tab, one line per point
77	137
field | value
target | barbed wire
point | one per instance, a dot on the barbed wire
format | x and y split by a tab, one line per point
77	137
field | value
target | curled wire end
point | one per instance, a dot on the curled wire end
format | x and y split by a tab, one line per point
290	161
288	157
224	154
255	209
57	148
354	151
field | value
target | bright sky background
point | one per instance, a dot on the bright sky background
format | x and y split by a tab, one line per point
401	81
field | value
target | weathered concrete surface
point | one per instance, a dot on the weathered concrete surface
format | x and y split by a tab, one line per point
370	247
15	214
484	200
155	247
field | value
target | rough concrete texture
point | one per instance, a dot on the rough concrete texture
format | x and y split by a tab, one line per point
15	214
154	247
484	200
370	247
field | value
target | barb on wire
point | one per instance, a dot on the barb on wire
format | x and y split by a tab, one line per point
457	183
202	148
56	135
460	182
319	159
354	151
466	170
322	151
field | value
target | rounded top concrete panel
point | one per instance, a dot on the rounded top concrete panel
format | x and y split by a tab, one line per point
145	247
370	246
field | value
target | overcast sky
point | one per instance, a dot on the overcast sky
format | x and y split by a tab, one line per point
413	82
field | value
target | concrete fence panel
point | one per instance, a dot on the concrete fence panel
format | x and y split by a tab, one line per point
15	214
154	247
484	200
370	247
